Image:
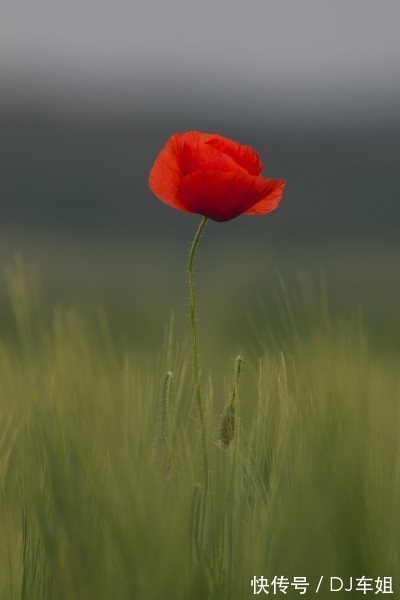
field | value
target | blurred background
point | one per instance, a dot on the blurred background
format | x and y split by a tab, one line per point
90	92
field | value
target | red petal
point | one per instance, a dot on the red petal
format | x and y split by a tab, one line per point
223	196
166	174
242	155
199	155
271	199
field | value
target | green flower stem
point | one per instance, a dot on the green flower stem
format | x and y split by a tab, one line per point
196	367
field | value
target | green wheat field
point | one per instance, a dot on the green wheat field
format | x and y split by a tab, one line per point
101	475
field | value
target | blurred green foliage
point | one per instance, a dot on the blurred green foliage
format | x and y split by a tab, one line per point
101	473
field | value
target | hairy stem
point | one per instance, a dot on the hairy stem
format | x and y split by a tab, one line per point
196	368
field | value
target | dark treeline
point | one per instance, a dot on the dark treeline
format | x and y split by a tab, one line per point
75	175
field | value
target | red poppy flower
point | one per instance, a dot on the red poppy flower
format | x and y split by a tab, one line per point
213	176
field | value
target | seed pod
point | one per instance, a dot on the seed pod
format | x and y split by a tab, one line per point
227	425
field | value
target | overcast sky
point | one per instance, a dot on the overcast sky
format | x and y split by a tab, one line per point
301	55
